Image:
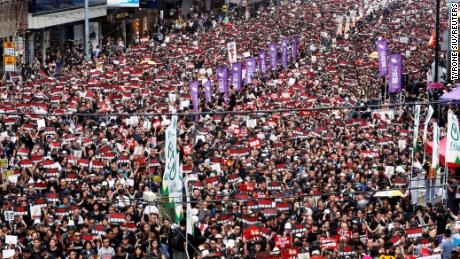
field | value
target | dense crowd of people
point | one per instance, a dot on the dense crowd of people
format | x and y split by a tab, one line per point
84	143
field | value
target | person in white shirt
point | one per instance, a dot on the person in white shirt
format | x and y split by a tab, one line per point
106	251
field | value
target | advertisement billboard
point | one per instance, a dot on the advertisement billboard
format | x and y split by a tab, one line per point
122	3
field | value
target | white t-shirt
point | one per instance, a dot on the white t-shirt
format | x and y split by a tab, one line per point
106	253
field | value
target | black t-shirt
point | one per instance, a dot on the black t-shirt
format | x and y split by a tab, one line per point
78	247
57	252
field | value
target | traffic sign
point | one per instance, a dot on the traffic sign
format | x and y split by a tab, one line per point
8	48
10	63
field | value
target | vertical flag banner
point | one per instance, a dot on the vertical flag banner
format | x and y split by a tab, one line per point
295	42
273	56
250	69
435	183
382	52
172	178
436	148
222	80
284	54
194	94
394	73
453	139
236	77
263	60
416	126
231	46
429	114
208	91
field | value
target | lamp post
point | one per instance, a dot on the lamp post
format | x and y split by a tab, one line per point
87	56
436	51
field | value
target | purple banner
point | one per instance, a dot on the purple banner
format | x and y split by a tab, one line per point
295	41
207	91
382	50
394	73
194	94
250	69
236	76
284	54
222	80
273	56
263	60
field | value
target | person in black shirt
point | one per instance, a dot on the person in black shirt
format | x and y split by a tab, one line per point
165	236
77	242
45	254
54	249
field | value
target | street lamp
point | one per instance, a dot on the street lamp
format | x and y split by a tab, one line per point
436	51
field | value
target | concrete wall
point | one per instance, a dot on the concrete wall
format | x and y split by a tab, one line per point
51	19
13	17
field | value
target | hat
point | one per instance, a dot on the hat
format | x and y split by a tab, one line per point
219	236
316	252
71	223
37	222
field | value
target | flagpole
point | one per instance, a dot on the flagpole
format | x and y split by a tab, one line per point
385	89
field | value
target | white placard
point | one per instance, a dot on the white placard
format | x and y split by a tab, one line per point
41	124
130	182
184	104
147	125
251	123
402	144
9	215
172	97
11	240
231	47
8	253
134	120
13	179
35	212
138	150
77	153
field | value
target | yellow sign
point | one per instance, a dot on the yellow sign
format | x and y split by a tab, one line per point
8	173
10	60
3	163
8	45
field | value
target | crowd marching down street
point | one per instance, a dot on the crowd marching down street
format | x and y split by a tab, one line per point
269	137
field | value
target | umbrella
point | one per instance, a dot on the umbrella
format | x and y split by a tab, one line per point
392	193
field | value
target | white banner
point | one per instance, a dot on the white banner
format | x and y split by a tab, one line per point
231	46
416	125
431	257
436	148
429	114
453	139
123	3
172	178
435	190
